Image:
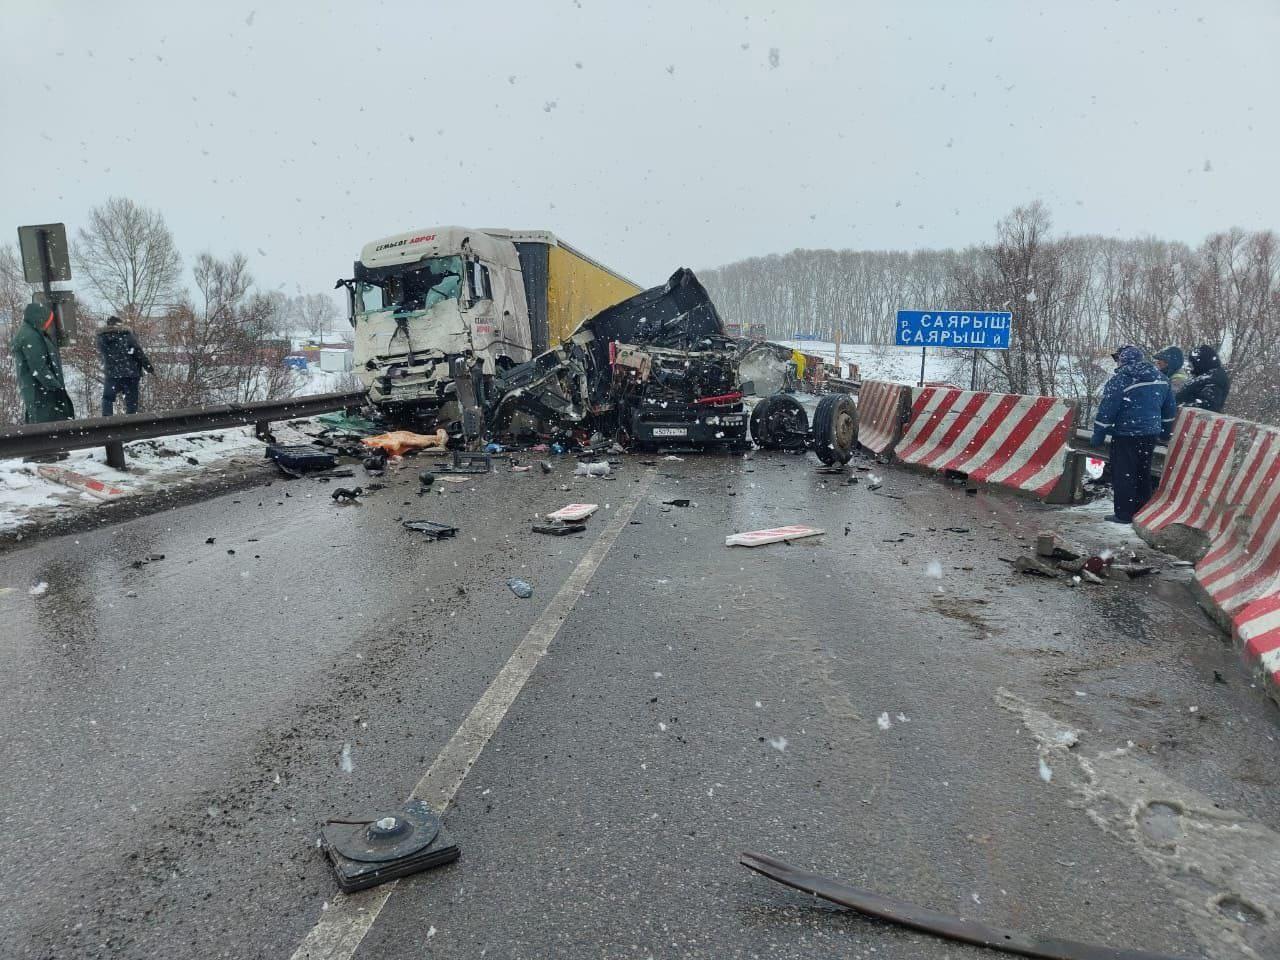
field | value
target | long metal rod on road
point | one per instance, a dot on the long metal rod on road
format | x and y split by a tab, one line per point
62	436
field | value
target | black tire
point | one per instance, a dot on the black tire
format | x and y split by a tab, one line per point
835	428
779	422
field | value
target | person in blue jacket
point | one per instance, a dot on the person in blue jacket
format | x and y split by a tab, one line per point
1137	410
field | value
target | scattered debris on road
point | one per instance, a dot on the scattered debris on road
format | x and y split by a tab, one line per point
299	458
600	468
345	495
520	588
758	538
367	851
574	511
78	481
432	530
399	442
557	528
960	929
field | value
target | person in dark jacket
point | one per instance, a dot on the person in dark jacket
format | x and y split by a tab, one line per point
39	367
122	364
1137	410
1209	384
1169	362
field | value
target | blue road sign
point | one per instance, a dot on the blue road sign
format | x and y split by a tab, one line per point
967	329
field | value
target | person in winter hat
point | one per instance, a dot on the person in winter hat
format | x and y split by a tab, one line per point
1137	410
122	364
39	367
1169	362
1209	384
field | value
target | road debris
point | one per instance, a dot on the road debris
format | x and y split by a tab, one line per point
38	589
296	459
399	442
368	850
78	481
909	915
345	495
677	502
426	478
599	469
758	538
520	588
574	511
469	463
432	530
559	528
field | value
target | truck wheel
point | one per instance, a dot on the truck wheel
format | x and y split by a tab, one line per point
835	428
779	422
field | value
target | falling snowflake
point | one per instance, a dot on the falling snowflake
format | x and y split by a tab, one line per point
344	761
1046	771
882	721
933	569
778	743
38	589
774	58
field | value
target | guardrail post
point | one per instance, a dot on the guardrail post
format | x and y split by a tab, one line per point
1070	487
262	430
115	456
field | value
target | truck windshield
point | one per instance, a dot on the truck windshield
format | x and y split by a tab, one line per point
422	287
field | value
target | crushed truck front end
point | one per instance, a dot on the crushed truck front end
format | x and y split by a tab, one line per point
422	301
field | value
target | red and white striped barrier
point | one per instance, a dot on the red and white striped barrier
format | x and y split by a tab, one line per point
1243	562
78	481
1009	439
1197	471
880	415
1258	627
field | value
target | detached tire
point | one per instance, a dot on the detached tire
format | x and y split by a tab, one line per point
835	428
779	422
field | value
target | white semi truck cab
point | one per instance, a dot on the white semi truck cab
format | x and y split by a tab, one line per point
424	300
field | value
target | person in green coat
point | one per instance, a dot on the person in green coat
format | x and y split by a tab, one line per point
35	354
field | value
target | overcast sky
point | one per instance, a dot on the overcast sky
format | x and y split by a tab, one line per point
651	135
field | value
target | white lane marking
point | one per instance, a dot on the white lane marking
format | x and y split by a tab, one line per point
341	928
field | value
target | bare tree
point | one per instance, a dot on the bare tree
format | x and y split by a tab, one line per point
315	313
15	294
127	257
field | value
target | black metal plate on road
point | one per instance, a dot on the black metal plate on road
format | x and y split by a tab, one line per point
930	921
559	529
433	530
367	852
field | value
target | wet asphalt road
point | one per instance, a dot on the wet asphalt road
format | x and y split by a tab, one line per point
174	730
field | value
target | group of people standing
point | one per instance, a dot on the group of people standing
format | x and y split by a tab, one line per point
39	366
1138	407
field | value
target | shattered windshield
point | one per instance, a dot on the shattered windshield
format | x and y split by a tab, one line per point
421	288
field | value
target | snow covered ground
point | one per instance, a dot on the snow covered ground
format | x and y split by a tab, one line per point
164	461
876	362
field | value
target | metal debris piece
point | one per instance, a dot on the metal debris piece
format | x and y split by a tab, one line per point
930	921
677	502
520	588
559	528
347	496
367	851
433	530
467	462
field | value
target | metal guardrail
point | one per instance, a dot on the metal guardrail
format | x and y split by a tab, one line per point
1082	444
61	436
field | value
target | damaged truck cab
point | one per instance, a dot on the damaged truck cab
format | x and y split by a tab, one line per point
430	302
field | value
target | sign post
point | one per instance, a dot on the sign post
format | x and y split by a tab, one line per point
46	260
954	329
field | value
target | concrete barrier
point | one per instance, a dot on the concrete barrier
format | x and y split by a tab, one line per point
1194	484
881	407
1010	439
1232	503
1243	561
1257	629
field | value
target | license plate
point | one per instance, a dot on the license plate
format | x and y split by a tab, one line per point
670	431
733	420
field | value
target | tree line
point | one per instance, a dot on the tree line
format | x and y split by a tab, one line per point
1074	300
212	334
